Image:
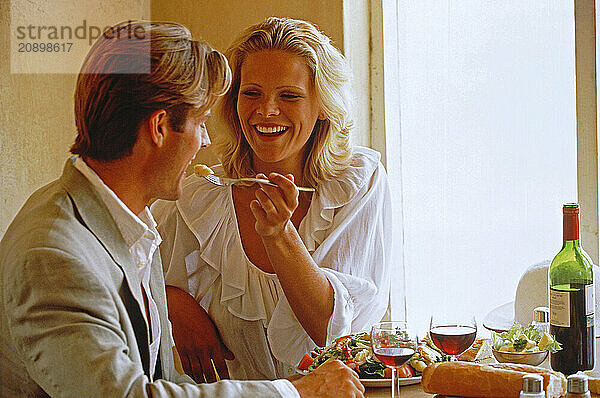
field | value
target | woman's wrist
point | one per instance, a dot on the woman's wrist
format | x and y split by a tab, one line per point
283	238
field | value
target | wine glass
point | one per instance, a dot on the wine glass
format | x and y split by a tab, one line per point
453	335
393	344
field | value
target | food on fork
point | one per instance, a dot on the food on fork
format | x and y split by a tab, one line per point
202	170
501	380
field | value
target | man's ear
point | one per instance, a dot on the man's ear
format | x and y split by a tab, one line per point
158	124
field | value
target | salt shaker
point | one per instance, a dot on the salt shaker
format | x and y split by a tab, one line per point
577	386
533	386
541	319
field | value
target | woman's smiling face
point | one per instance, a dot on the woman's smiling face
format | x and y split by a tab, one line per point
277	107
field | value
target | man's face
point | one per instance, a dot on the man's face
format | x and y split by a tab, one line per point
179	149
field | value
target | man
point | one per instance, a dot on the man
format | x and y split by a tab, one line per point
82	296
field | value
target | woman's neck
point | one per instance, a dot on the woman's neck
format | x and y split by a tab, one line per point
286	166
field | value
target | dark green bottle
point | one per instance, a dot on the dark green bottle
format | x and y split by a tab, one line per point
572	303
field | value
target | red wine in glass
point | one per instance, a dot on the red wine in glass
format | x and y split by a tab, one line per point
393	344
453	339
394	357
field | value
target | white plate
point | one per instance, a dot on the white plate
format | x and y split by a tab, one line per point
403	381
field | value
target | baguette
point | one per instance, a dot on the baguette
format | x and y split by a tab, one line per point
594	385
498	380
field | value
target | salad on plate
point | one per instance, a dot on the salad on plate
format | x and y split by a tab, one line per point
356	352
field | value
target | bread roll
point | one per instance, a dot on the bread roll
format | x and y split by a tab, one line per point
501	380
429	354
481	349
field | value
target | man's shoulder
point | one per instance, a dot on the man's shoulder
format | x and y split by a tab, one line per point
41	208
48	219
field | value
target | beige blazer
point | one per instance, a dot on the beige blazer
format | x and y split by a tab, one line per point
70	324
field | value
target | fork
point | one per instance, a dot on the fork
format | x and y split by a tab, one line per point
224	181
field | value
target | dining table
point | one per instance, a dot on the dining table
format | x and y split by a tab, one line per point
410	391
416	391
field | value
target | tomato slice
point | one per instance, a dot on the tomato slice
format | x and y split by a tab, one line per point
305	362
387	373
353	365
405	371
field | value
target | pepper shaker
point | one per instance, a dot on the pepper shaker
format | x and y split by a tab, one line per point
533	386
541	319
577	386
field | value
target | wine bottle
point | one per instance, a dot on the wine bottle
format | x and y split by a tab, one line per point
571	282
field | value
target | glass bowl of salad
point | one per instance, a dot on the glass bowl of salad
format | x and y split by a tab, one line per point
527	358
523	344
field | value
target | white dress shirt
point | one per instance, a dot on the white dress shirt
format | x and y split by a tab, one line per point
142	239
347	231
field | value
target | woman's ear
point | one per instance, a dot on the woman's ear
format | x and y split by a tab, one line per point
158	125
321	115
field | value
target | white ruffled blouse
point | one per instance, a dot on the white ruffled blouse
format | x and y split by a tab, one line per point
347	231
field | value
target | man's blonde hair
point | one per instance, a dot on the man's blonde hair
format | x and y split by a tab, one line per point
134	69
329	146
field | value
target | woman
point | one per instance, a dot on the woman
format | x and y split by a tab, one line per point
277	271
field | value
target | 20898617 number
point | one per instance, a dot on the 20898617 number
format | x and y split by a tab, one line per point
44	47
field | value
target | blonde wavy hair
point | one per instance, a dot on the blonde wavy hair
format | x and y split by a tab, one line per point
329	148
134	69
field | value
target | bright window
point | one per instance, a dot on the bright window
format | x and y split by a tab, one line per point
485	146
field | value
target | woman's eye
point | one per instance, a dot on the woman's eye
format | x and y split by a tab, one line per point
250	93
290	96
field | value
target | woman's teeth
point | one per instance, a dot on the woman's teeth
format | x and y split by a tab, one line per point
271	130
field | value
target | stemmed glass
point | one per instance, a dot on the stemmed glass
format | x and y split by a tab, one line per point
393	344
453	335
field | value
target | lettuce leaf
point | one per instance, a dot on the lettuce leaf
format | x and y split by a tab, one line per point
514	337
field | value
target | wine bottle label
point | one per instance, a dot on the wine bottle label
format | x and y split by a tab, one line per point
589	299
590	304
559	308
562	302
